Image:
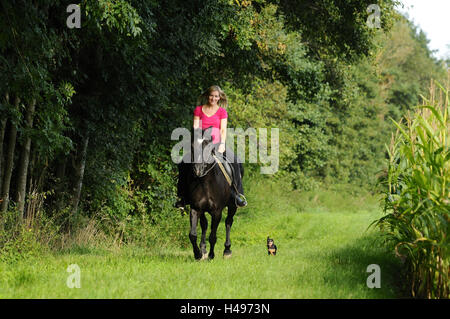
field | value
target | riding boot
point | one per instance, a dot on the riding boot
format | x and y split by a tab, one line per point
181	186
239	199
180	203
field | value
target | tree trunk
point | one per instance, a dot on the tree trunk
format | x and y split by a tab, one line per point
31	184
43	167
79	174
25	160
9	163
60	180
31	172
2	137
2	167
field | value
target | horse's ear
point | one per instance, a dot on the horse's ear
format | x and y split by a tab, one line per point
207	133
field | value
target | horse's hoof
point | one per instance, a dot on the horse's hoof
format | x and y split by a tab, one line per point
198	256
227	254
204	256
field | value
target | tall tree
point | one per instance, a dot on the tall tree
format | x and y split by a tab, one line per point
25	158
79	166
9	163
2	136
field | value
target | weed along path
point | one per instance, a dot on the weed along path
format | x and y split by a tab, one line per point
324	250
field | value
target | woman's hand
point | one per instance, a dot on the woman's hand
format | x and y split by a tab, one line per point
221	148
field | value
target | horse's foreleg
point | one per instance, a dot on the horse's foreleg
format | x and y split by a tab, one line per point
215	220
228	224
194	215
204	226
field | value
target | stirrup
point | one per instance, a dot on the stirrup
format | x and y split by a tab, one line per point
242	198
180	204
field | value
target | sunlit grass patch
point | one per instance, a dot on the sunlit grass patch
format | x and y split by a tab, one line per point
321	254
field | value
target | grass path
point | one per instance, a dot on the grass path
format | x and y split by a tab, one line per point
324	249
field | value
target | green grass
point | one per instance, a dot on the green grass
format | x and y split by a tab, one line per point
324	249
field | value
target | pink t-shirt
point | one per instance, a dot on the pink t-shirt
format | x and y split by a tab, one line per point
213	120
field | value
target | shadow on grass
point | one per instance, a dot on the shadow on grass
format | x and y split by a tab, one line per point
85	250
136	252
170	254
174	256
349	271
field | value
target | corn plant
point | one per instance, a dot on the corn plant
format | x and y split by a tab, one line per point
416	196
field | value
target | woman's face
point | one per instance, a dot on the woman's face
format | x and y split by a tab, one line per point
213	98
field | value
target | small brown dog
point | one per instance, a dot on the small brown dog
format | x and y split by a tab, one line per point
271	247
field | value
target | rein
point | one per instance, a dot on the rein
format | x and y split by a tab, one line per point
223	170
217	161
208	170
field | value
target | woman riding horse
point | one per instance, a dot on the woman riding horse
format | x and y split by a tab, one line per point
213	113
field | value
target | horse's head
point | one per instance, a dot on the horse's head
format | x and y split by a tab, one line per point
202	149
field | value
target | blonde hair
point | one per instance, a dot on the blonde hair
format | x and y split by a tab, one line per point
203	98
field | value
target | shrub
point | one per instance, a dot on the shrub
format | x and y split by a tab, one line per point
19	239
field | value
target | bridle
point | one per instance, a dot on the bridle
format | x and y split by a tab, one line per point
225	174
208	170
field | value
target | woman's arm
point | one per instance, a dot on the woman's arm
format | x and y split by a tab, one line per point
223	134
223	130
196	122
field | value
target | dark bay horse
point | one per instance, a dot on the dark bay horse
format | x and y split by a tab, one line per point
207	190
